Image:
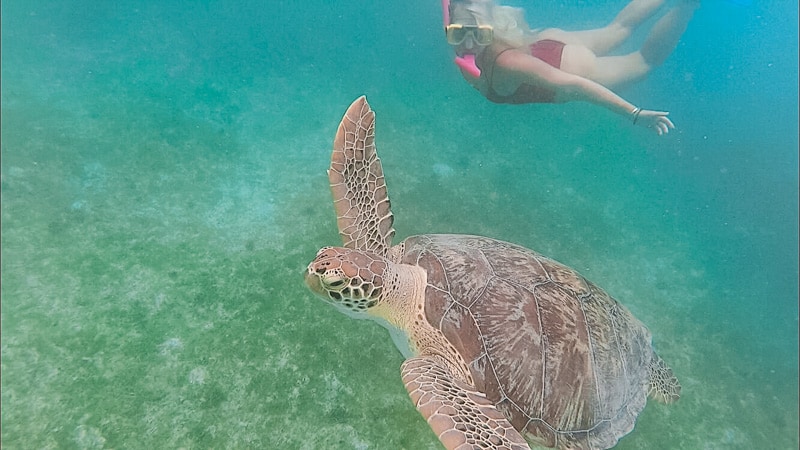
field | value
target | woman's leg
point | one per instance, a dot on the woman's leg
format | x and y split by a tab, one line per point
611	71
666	33
602	40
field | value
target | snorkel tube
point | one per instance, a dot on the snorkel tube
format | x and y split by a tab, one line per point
466	62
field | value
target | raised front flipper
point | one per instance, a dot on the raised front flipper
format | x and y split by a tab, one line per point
461	417
364	215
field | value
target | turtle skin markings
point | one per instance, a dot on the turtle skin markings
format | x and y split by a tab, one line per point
357	184
347	278
468	418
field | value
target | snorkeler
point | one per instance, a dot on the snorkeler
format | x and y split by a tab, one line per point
507	62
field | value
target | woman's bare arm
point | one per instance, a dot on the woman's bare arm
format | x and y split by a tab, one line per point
569	87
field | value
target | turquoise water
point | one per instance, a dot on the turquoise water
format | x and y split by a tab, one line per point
163	188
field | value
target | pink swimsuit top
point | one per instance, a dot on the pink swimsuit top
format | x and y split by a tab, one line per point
548	51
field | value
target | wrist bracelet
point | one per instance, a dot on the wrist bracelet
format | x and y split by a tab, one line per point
635	114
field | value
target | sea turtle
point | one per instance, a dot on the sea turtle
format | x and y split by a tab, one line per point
502	343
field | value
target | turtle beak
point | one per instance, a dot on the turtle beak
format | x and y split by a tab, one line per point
313	281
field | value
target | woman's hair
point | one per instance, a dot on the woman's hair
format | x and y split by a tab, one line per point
508	22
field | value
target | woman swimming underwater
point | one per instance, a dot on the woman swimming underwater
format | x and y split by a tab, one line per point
507	62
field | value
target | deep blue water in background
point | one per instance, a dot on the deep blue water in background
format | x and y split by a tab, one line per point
163	187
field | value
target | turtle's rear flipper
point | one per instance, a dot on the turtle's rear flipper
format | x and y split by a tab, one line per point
664	386
460	416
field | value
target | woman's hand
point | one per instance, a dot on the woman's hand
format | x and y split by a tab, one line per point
656	120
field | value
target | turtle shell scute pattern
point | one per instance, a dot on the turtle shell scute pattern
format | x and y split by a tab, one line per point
565	362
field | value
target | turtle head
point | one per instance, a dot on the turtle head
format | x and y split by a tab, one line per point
351	280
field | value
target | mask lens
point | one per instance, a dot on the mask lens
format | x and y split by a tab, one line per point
483	35
457	33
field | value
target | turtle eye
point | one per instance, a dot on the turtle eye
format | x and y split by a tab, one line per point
331	278
336	283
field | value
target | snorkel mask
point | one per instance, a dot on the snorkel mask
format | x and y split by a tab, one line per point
457	33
